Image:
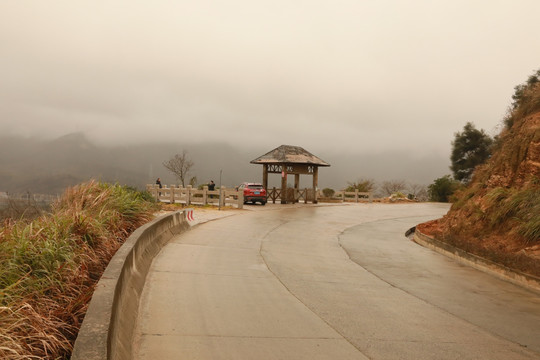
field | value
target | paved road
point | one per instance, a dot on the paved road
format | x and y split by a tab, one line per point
328	282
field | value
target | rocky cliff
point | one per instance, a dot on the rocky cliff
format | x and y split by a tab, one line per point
497	215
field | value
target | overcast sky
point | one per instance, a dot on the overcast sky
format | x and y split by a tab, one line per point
354	76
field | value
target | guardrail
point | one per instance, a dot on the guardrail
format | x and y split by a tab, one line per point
107	330
190	196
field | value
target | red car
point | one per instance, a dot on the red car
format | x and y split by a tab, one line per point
253	192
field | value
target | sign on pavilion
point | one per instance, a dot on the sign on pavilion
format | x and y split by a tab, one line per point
290	160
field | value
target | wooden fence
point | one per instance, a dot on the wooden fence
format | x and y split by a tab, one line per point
188	195
292	195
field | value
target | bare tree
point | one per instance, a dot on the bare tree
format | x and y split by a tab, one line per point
391	187
419	192
180	166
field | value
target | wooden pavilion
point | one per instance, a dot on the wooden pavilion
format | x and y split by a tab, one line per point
286	160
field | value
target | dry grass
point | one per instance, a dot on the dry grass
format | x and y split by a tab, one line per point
498	215
49	267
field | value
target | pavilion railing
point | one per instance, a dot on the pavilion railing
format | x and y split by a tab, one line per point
291	195
273	195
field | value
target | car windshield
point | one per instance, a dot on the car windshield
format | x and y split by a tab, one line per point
255	186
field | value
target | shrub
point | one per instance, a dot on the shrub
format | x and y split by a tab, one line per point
48	267
327	192
442	188
144	195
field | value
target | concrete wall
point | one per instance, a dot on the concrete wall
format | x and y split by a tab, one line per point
528	281
107	329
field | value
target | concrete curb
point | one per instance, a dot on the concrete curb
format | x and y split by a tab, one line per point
502	272
107	330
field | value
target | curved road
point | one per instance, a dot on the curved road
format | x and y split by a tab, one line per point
327	282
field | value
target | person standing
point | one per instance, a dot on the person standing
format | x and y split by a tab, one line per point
211	187
158	183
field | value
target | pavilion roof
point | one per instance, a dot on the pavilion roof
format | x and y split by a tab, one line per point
289	154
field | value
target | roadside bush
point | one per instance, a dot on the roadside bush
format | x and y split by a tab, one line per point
327	192
442	188
144	195
49	267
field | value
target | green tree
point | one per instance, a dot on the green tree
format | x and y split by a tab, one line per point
526	99
520	91
442	188
470	148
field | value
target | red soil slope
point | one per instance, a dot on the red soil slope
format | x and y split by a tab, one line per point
488	218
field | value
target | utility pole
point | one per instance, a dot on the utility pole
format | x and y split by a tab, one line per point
219	203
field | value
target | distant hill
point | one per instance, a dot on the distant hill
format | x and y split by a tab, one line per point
498	214
41	166
49	167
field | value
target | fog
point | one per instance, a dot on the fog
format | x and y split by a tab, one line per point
377	89
42	166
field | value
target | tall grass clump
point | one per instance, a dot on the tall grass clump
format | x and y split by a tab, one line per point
49	266
519	209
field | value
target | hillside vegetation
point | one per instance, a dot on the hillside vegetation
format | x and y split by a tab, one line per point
498	214
49	266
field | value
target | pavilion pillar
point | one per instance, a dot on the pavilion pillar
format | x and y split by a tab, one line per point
265	177
284	184
315	182
296	187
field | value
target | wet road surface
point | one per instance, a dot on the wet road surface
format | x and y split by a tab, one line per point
327	282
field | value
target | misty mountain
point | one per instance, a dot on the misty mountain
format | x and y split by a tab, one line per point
41	166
